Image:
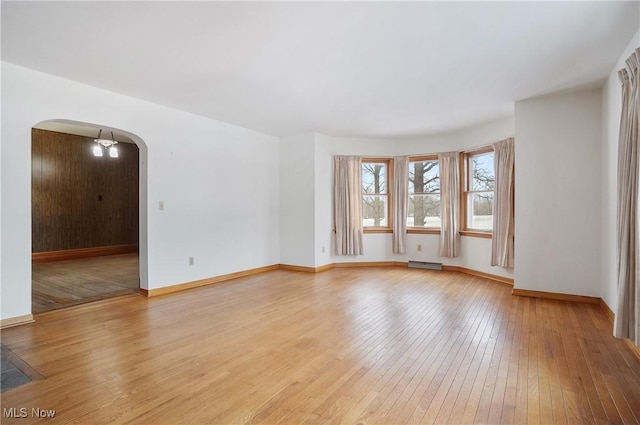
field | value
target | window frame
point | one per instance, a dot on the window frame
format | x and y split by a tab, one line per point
423	230
465	158
388	185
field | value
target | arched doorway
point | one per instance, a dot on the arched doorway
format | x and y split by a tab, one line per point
88	214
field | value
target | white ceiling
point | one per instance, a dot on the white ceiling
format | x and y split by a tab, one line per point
367	69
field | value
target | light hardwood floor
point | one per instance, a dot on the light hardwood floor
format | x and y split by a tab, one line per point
362	345
66	283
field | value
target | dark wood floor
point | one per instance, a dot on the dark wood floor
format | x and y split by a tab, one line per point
67	283
369	345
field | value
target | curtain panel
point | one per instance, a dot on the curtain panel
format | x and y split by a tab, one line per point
627	318
449	203
400	200
347	204
503	206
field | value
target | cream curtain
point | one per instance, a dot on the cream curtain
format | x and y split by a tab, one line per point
449	203
503	214
400	200
347	204
627	319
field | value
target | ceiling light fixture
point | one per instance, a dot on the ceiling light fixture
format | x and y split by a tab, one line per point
104	144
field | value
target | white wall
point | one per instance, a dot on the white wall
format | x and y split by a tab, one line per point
326	147
611	110
558	174
297	200
463	139
324	204
1	219
219	182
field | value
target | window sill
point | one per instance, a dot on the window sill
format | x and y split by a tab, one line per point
377	230
476	234
470	233
423	231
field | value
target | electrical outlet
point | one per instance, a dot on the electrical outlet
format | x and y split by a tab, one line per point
161	205
323	250
191	261
419	247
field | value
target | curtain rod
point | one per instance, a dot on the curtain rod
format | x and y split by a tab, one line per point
477	148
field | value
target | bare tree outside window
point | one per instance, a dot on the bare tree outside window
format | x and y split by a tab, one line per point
424	194
480	184
374	194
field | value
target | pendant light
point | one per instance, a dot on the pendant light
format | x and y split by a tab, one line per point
104	144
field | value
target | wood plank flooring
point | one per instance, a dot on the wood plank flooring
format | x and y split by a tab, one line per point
346	346
63	284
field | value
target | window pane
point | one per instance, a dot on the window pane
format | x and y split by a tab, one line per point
480	209
374	177
374	210
424	177
424	211
482	173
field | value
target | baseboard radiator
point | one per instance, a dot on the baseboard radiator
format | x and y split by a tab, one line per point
425	265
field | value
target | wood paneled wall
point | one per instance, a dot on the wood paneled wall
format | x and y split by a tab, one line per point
79	200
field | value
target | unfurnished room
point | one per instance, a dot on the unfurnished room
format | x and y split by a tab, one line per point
320	212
